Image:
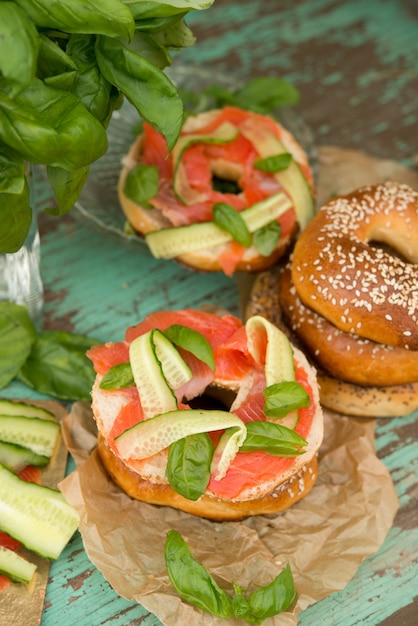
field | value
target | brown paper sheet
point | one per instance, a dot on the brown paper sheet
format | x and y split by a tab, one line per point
324	537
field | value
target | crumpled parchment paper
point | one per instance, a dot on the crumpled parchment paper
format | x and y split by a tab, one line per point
324	537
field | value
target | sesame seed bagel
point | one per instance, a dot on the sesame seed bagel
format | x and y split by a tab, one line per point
340	353
361	289
352	306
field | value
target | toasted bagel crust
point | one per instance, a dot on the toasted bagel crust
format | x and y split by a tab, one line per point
357	287
277	500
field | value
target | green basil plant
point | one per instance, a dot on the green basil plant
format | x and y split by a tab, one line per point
64	68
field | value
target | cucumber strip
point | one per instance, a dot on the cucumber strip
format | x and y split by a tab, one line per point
37	516
15	457
168	243
15	567
279	363
291	178
290	421
9	407
175	369
153	435
37	434
155	393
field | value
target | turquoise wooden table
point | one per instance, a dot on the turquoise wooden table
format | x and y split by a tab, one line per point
356	66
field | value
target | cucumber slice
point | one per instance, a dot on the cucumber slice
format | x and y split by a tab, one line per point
168	243
9	407
292	178
15	567
153	435
279	363
37	516
37	434
151	371
175	369
15	457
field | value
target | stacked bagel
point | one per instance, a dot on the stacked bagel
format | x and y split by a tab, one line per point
349	297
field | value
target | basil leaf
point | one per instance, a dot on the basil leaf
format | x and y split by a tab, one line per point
265	239
143	9
176	35
148	47
228	219
105	17
263	94
273	439
284	397
155	24
90	86
118	377
192	580
275	163
266	93
55	67
58	366
17	335
12	168
15	217
271	599
144	84
188	465
141	184
50	126
19	44
192	341
66	186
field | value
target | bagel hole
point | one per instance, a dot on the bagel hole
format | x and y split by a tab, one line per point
388	249
225	185
214	399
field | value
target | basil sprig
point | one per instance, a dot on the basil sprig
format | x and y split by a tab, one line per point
188	465
263	94
118	376
195	585
64	68
265	238
282	398
141	184
275	163
230	220
51	362
192	341
273	439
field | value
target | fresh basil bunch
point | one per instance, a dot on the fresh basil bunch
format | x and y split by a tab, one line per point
64	68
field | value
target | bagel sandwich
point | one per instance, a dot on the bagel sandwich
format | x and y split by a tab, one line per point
231	195
207	415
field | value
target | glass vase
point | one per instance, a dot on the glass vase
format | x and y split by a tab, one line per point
20	273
